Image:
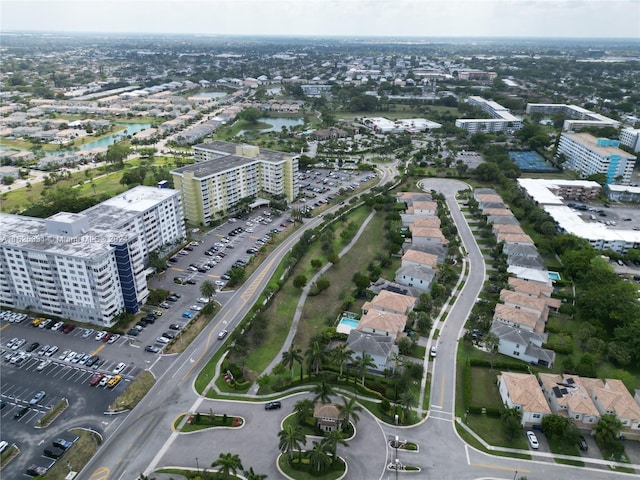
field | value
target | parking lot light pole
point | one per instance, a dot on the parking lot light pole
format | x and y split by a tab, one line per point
515	475
198	466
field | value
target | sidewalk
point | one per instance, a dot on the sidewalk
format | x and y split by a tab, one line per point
303	298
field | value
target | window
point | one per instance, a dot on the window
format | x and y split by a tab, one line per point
535	415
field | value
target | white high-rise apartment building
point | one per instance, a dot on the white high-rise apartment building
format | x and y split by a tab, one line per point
631	138
502	120
589	155
87	266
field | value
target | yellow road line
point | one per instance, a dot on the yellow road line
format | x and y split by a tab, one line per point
97	350
178	269
498	467
100	474
6	325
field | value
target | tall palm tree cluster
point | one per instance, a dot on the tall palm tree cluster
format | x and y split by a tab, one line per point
228	464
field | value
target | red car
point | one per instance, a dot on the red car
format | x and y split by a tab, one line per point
69	329
96	379
107	337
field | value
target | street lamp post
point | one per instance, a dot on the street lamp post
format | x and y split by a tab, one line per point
515	476
197	466
396	445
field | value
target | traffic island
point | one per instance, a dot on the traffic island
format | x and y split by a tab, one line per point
9	454
133	393
305	464
52	414
400	468
194	422
404	445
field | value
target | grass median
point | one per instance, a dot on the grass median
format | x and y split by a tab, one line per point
189	334
135	392
52	414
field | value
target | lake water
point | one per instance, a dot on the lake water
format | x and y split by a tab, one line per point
132	128
276	124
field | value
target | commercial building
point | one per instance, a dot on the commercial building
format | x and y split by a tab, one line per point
502	120
87	266
226	173
590	155
410	125
577	117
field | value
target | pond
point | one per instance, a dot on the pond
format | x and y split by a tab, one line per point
131	129
277	123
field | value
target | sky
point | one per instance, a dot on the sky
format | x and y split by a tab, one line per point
422	18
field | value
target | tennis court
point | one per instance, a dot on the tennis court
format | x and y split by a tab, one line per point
530	161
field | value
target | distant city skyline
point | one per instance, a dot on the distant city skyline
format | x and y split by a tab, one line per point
414	18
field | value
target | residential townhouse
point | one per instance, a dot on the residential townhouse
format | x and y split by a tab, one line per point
612	397
516	317
382	323
522	391
568	396
378	347
387	301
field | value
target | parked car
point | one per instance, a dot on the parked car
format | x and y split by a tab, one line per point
62	443
37	397
151	349
52	350
43	364
187	314
95	380
434	351
582	444
32	347
21	413
162	340
103	382
53	452
175	326
113	381
114	338
120	367
169	335
88	332
533	440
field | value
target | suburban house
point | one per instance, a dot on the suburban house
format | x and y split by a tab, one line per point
424	236
611	396
523	345
382	323
531	288
512	239
522	391
568	396
500	228
530	274
516	317
418	258
439	251
423	207
378	347
417	276
503	219
387	301
420	221
527	261
328	416
526	303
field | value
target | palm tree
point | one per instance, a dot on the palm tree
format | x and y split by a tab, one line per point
207	289
323	392
290	357
318	456
341	354
291	438
349	410
332	439
251	475
228	463
362	363
607	430
303	409
315	356
407	401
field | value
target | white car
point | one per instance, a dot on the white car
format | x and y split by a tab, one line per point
119	368
219	283
88	332
533	440
434	351
162	340
203	300
43	364
100	335
195	308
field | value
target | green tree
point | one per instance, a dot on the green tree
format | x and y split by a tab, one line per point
362	363
349	410
207	289
361	281
316	355
228	464
491	342
511	418
332	439
341	354
291	438
608	432
318	456
251	115
251	475
291	357
300	281
322	392
303	409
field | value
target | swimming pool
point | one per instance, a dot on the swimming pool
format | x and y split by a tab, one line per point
554	276
345	325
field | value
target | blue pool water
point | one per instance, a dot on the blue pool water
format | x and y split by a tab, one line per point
554	275
349	322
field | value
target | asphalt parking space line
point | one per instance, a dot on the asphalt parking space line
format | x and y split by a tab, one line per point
98	350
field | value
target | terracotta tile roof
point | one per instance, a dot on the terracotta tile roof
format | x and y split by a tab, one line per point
425	205
615	397
500	228
428	222
498	211
523	318
530	287
327	410
427	232
391	302
422	258
514	238
488	197
520	299
574	394
525	391
382	321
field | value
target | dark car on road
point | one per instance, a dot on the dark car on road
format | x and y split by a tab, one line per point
272	405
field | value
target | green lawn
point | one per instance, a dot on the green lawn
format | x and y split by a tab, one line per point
484	390
490	429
